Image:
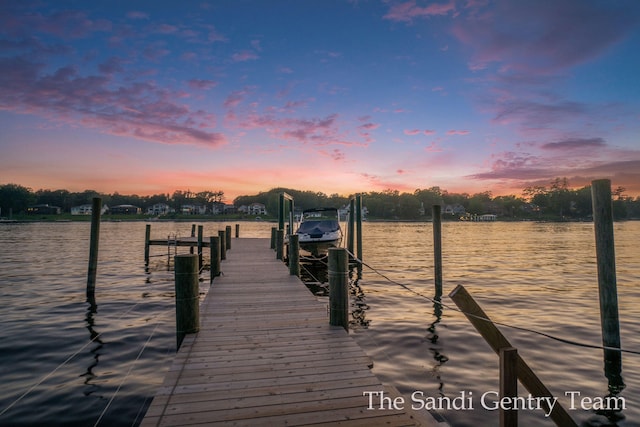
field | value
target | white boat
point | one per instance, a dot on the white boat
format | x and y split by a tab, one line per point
319	230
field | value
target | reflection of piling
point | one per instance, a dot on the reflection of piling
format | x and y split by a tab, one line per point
93	245
338	287
605	254
437	250
214	246
294	255
186	285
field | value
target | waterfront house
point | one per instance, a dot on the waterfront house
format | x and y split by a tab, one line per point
44	210
125	210
159	209
87	209
193	209
257	209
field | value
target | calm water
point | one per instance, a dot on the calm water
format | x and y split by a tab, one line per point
68	361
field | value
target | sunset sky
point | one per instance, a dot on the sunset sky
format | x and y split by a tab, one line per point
333	96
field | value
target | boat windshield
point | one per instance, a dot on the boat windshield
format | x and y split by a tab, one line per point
313	226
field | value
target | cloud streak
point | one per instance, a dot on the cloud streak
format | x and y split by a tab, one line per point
139	110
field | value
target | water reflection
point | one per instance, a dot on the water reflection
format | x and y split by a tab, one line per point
89	375
435	349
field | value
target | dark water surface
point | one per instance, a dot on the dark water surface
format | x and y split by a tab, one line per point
68	361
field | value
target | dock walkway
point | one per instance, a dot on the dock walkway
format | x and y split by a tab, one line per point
267	356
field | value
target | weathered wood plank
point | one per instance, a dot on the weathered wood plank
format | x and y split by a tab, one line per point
266	355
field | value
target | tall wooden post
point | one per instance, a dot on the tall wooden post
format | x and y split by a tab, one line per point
200	245
193	234
437	250
508	384
96	207
147	237
359	231
214	248
273	237
294	255
607	287
223	246
187	290
338	287
350	226
237	231
280	244
228	236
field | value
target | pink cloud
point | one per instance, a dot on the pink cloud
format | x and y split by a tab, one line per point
429	132
412	132
573	144
408	11
202	84
243	56
458	132
541	37
235	98
138	110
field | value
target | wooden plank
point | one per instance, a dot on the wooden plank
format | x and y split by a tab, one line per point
266	355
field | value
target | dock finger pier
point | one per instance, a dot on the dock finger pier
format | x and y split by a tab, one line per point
265	354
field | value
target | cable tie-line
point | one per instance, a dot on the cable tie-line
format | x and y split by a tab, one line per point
520	328
144	346
50	374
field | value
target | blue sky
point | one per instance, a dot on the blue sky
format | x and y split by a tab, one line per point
333	96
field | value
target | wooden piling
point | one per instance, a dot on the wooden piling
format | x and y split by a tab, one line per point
187	291
200	246
228	236
508	384
96	208
350	226
193	234
496	340
607	286
359	232
280	244
237	231
214	248
437	250
223	246
273	237
147	237
338	287
294	255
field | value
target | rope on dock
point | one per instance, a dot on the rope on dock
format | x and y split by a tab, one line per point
519	328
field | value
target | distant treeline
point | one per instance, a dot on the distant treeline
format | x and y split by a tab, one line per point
553	202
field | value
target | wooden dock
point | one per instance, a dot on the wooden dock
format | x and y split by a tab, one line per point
266	355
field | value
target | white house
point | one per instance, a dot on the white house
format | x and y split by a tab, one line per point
87	210
257	209
193	209
159	209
